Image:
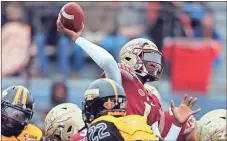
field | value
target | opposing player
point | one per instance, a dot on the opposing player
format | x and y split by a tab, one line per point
17	108
62	122
212	126
149	68
104	107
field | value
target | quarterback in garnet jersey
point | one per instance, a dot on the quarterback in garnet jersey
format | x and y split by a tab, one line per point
144	58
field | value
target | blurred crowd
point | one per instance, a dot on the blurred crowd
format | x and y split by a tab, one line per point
29	32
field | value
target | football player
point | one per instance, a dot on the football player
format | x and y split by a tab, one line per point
104	107
17	108
212	126
106	97
147	67
63	121
188	131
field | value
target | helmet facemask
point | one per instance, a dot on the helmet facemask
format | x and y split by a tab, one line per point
148	63
104	106
14	117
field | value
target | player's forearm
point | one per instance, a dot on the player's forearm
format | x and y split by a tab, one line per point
102	58
173	133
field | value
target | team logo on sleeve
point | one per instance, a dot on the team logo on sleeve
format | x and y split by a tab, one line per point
141	92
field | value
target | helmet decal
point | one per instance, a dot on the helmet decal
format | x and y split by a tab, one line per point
4	93
91	94
212	126
63	120
17	96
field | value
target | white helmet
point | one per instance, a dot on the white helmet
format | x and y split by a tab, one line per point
144	57
212	126
154	91
63	121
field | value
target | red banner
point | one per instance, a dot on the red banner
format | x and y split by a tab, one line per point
191	62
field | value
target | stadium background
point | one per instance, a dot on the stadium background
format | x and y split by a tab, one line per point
59	62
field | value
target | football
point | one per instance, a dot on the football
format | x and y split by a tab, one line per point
72	16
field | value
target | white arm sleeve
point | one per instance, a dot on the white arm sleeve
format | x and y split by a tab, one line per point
155	129
172	134
102	58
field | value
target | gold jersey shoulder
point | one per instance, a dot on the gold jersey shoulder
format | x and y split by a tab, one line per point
131	127
30	133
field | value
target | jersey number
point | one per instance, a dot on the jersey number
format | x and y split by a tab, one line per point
100	128
147	109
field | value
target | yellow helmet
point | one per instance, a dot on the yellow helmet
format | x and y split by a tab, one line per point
63	121
17	108
144	57
212	126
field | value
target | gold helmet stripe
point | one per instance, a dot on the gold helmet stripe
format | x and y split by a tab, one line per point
114	88
17	96
25	95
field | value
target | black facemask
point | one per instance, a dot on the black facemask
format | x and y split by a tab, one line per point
13	121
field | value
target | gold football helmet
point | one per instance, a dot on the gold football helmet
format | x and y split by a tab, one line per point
104	97
17	108
63	121
144	57
212	126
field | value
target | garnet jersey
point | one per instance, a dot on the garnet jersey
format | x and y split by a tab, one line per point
81	136
139	100
167	120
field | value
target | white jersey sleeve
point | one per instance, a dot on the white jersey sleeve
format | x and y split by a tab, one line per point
102	58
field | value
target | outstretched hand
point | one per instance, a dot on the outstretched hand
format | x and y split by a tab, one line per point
70	33
184	111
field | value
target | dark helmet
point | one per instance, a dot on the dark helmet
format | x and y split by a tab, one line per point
104	97
17	109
